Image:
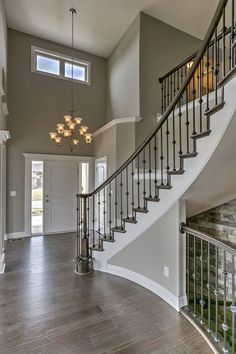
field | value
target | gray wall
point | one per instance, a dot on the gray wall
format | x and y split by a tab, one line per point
161	48
123	75
3	59
37	103
116	143
159	246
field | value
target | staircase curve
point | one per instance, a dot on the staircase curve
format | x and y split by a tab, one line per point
198	103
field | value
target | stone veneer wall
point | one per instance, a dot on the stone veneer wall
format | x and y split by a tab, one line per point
219	222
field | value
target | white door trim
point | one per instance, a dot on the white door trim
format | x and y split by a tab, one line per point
45	157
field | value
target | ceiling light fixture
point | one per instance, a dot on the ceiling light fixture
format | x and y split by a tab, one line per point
67	133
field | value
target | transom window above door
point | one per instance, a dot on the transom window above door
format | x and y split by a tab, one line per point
54	64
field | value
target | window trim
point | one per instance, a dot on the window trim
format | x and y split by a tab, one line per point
62	60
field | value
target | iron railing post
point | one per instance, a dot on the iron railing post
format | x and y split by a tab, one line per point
83	261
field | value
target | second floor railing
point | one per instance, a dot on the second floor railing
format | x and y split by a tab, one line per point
219	58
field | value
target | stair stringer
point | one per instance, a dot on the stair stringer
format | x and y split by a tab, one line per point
193	167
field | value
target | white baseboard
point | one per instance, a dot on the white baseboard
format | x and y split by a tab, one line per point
15	235
2	263
171	299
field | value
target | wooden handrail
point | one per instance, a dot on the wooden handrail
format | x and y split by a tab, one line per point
171	107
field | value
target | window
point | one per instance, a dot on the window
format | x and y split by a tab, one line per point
48	65
46	62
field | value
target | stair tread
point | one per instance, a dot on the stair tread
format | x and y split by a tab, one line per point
152	199
215	109
96	248
175	172
227	77
201	135
188	155
130	220
140	210
119	229
163	186
108	238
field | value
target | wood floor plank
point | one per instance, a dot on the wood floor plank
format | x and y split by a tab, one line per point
46	309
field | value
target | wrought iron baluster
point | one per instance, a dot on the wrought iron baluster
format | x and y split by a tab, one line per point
78	226
144	179
216	68
173	129
162	158
200	94
110	212
207	80
194	113
194	277
180	131
121	200
233	307
93	220
209	286
162	97
150	169
224	325
132	187
165	97
99	219
216	295
187	269
104	212
155	165
202	298
138	183
187	121
116	205
232	36
167	145
127	193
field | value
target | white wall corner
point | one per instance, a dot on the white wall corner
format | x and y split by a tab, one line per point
116	121
2	262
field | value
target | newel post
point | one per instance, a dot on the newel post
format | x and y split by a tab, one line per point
83	260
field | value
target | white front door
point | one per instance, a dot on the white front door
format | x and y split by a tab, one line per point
61	186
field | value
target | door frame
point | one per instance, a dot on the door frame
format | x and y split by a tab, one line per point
96	162
44	157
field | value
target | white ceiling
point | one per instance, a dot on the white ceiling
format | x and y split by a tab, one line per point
101	23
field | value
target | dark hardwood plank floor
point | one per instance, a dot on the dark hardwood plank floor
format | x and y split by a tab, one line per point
45	309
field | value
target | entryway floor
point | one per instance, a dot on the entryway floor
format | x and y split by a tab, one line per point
45	309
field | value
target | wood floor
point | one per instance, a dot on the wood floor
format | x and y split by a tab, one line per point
45	309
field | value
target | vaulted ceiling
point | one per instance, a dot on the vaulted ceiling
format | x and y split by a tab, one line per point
101	23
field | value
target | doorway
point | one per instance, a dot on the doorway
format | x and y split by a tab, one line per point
51	185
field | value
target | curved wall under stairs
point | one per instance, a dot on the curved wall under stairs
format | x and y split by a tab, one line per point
104	261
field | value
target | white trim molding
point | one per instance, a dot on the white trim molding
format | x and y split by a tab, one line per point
116	121
46	157
16	235
4	136
2	262
171	299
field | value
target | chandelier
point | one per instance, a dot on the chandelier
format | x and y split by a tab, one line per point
68	132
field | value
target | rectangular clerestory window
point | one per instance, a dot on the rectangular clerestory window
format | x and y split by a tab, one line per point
58	65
